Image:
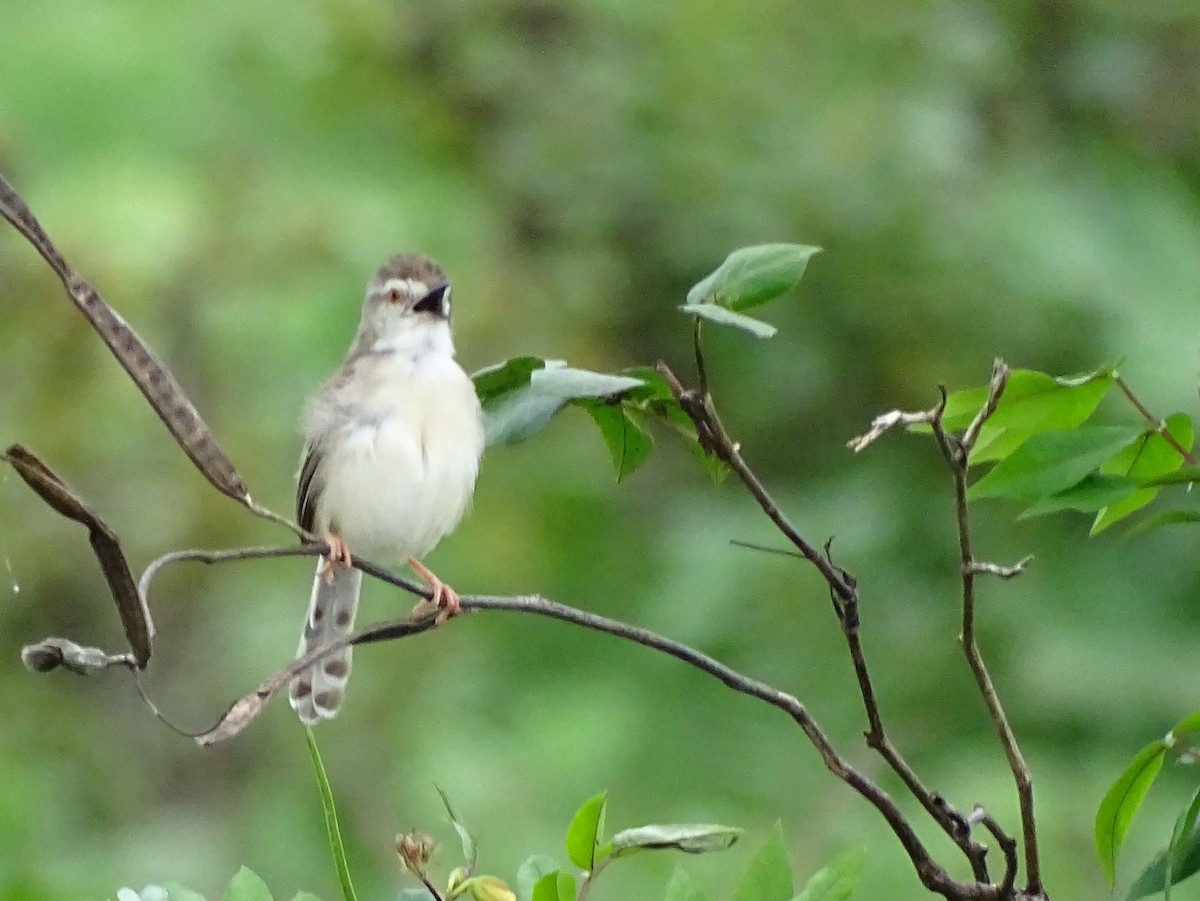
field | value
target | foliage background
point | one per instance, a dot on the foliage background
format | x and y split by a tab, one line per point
1020	180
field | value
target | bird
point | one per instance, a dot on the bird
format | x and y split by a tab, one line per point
392	448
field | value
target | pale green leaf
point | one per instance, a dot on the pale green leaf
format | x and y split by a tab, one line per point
533	869
177	892
691	838
751	276
769	875
835	882
722	316
469	847
683	888
246	886
516	409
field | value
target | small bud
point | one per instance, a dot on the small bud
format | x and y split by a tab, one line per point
415	848
489	888
458	876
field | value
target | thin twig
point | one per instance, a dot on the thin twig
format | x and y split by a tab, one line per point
931	874
956	457
845	597
1157	424
996	386
885	421
701	373
1010	571
1008	846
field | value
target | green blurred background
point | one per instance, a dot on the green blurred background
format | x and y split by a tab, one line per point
1018	179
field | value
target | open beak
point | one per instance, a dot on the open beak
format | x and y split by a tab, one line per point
437	301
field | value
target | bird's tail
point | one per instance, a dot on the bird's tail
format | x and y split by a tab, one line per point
317	692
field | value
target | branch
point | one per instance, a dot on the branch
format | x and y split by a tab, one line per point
152	378
1156	424
844	594
956	452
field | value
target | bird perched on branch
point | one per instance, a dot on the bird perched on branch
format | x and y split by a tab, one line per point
392	448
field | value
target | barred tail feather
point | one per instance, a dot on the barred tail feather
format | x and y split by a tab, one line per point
317	692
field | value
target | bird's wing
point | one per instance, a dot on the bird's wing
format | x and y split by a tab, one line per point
307	489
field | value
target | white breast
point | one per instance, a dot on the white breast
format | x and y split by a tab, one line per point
401	470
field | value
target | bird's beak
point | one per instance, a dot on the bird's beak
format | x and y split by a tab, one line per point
437	301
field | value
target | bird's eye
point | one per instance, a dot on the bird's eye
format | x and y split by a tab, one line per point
395	295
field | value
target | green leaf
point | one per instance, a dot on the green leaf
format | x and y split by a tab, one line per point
629	444
1052	461
1183	838
556	886
1122	801
670	412
333	832
1166	518
521	400
1179	861
1184	728
584	832
493	382
305	896
653	387
691	838
683	888
722	316
246	886
470	849
533	869
1091	493
1185	475
751	276
769	875
1034	402
835	882
1148	457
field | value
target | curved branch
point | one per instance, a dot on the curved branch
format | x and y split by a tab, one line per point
244	710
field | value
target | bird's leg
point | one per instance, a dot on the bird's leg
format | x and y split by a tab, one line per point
339	555
443	596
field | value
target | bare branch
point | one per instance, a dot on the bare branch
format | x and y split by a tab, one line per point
844	594
1157	424
153	379
885	421
133	612
1008	845
996	386
1004	572
955	452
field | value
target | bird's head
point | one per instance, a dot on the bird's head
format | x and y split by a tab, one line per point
407	307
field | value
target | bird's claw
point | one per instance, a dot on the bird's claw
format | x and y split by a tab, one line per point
442	596
339	555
